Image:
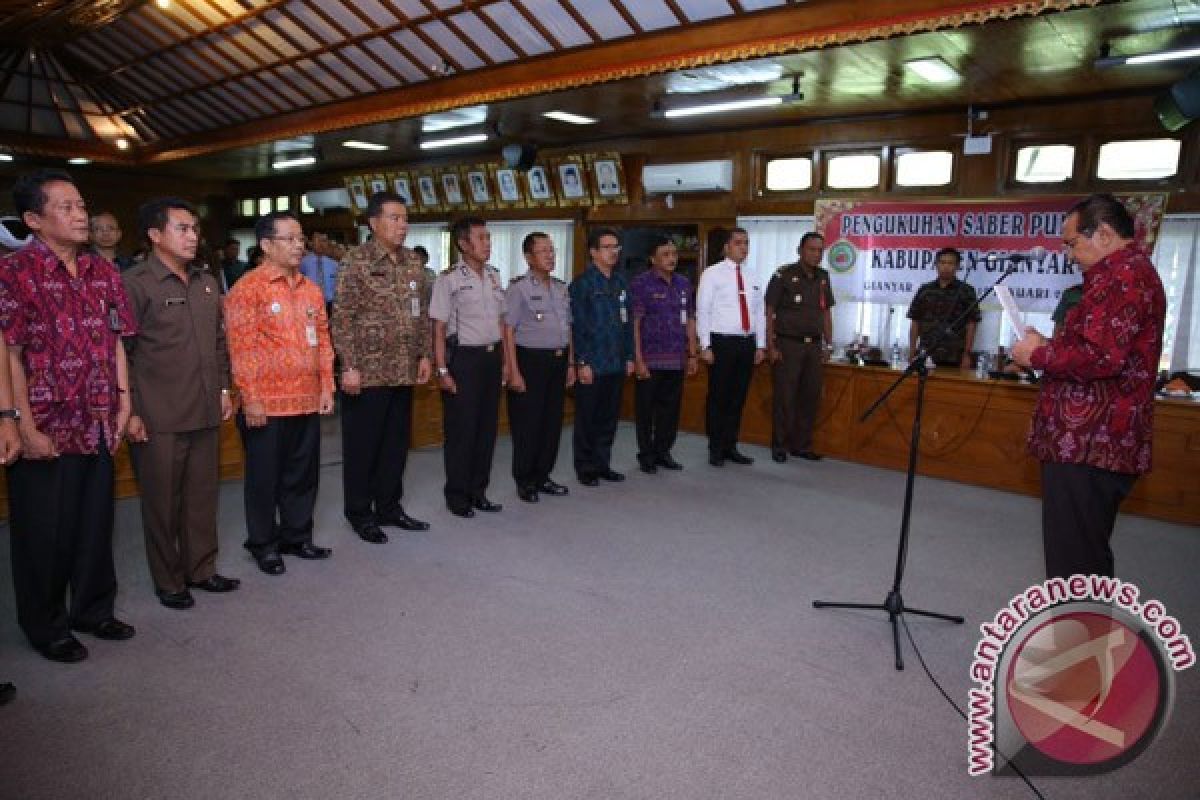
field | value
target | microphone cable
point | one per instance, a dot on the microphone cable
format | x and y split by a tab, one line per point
1036	792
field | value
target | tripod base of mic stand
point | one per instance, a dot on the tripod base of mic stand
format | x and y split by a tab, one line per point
894	606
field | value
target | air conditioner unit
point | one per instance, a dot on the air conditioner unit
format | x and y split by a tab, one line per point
327	199
691	176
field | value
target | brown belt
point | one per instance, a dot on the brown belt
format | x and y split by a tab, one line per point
801	339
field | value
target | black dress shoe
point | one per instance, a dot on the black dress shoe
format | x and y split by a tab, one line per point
176	600
647	467
738	458
7	693
666	462
111	629
271	563
808	455
306	550
612	475
528	494
464	511
716	461
401	520
589	480
215	583
66	650
779	456
370	532
483	504
550	487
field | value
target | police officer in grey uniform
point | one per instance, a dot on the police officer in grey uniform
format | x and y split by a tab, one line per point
537	334
468	309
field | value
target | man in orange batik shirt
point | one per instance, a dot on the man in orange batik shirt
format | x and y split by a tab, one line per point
282	363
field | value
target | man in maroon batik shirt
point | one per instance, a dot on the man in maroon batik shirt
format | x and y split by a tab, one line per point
62	312
1094	416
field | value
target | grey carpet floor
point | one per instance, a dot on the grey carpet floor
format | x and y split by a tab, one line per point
652	639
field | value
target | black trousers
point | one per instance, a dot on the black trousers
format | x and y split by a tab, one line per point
728	382
535	415
470	421
282	462
656	407
61	520
597	409
1079	510
376	429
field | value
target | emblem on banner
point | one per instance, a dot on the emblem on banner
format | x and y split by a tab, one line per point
841	256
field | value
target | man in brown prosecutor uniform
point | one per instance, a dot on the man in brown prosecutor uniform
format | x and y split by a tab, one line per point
179	383
799	333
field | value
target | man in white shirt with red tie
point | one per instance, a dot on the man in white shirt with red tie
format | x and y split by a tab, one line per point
731	327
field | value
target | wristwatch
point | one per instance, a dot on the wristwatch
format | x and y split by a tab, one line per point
442	372
11	413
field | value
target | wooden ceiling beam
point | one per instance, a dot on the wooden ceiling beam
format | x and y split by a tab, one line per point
630	20
534	23
814	25
678	12
584	25
387	68
509	41
345	34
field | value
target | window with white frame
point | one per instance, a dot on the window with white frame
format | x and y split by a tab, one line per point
1138	159
925	168
853	171
1045	163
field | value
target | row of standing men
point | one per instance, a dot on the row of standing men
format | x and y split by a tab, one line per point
155	357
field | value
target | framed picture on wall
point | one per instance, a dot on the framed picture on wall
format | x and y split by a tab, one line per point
452	189
478	189
402	185
541	192
608	178
377	183
573	187
357	187
427	192
508	187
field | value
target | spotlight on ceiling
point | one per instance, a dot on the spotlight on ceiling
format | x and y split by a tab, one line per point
79	161
122	143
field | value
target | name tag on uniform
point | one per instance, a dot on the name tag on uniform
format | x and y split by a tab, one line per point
114	319
175	301
310	333
624	312
378	274
414	305
683	308
539	315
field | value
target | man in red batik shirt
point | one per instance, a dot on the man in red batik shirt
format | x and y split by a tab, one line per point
1094	416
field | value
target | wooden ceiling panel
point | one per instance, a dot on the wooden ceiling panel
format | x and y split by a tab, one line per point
348	20
378	14
287	26
653	15
557	22
603	18
463	54
702	10
486	37
379	70
303	80
397	59
260	29
321	27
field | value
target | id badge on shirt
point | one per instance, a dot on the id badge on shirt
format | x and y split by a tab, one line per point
114	319
310	328
683	309
414	306
624	311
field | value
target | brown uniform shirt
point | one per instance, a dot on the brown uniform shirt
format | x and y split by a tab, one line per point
381	315
178	362
799	300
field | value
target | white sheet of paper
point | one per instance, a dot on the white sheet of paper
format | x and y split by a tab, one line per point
1010	310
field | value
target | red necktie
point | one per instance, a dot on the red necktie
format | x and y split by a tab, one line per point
742	300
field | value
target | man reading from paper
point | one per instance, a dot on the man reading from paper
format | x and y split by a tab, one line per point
1095	412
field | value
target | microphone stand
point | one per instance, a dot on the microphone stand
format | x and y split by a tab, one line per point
893	604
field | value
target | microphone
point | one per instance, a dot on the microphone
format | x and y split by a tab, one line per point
1036	254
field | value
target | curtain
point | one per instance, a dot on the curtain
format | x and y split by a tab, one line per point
1175	258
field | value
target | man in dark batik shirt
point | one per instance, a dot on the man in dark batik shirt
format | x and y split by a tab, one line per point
936	305
1094	416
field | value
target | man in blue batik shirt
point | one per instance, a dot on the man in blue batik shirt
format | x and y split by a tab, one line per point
319	268
602	334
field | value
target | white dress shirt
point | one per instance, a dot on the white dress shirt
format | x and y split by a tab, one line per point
718	309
